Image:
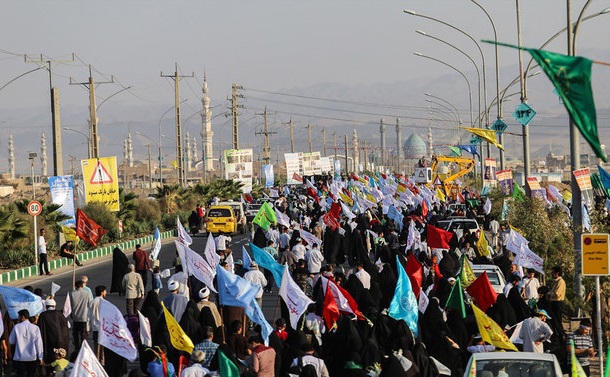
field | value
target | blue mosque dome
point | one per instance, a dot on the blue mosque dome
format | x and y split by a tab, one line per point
414	147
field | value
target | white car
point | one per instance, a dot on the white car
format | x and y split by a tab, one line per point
514	364
496	277
460	225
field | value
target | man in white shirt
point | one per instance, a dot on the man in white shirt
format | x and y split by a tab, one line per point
298	250
255	276
43	266
221	243
363	276
94	315
314	259
530	285
27	341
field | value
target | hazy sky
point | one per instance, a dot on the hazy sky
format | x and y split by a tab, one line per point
274	45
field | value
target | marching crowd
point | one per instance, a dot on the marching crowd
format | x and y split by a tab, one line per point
361	252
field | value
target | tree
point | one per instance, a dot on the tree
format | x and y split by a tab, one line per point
170	197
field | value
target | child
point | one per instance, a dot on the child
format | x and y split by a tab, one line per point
156	279
60	362
280	329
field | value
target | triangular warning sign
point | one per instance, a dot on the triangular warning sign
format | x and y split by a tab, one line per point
437	181
421	174
100	175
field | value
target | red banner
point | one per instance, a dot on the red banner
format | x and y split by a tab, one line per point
87	229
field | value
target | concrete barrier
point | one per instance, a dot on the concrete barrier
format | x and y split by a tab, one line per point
29	271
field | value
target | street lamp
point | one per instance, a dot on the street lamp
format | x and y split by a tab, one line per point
89	154
467	56
32	156
448	103
159	147
444	106
160	151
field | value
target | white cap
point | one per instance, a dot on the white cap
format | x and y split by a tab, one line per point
50	302
204	292
172	285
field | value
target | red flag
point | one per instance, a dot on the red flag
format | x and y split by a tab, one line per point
482	292
249	198
297	177
437	274
330	221
438	238
87	229
415	272
350	301
424	208
313	194
330	312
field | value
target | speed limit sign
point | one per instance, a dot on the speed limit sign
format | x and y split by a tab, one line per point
34	208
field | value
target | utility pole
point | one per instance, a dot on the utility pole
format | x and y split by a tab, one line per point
346	157
291	136
94	139
149	169
324	141
266	133
335	145
234	113
58	164
366	156
309	136
382	131
398	145
179	154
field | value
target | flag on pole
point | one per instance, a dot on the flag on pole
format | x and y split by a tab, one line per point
456	299
330	312
69	234
282	218
234	290
404	304
265	260
487	135
183	236
154	254
196	265
414	270
145	330
482	292
294	298
467	276
87	364
472	372
483	246
491	332
177	336
265	216
226	366
577	370
67	306
54	288
246	260
114	333
437	237
16	299
87	229
518	192
487	206
209	252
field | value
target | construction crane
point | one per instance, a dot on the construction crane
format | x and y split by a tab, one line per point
465	164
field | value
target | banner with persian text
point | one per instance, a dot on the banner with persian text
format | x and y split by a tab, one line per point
238	167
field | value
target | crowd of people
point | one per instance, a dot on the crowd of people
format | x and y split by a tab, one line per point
358	255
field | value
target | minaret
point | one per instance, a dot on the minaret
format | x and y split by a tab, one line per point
430	144
125	154
11	157
187	143
398	146
207	135
194	159
43	155
356	153
129	151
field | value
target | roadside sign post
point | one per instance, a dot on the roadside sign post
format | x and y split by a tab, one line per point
595	262
34	209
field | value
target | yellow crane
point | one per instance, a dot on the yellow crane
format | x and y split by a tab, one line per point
465	164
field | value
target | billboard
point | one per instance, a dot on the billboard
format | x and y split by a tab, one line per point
294	168
101	181
238	167
312	164
62	193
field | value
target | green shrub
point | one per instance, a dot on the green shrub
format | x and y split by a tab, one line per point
148	211
99	213
16	258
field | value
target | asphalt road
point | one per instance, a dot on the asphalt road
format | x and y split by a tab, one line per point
99	272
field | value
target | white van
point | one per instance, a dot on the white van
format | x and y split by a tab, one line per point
240	214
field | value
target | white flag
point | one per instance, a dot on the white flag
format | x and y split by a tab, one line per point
166	273
54	288
67	306
515	240
487	206
145	332
423	302
274	193
294	298
528	259
114	333
341	300
247	261
310	238
210	252
282	218
196	265
347	212
230	262
183	235
87	365
154	253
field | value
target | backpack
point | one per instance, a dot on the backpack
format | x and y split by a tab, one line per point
301	370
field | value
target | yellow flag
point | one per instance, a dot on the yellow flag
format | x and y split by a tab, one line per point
482	245
346	199
487	135
401	188
370	198
472	372
69	234
440	194
174	164
491	331
178	337
466	274
567	196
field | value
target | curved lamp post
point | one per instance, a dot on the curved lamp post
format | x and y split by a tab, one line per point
89	152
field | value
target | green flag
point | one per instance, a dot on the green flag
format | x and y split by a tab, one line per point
456	150
571	76
226	366
265	216
518	192
456	298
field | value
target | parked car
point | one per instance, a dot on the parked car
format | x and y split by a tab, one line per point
496	277
240	213
459	225
221	219
488	364
252	210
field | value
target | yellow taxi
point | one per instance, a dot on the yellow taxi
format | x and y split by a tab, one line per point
221	219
